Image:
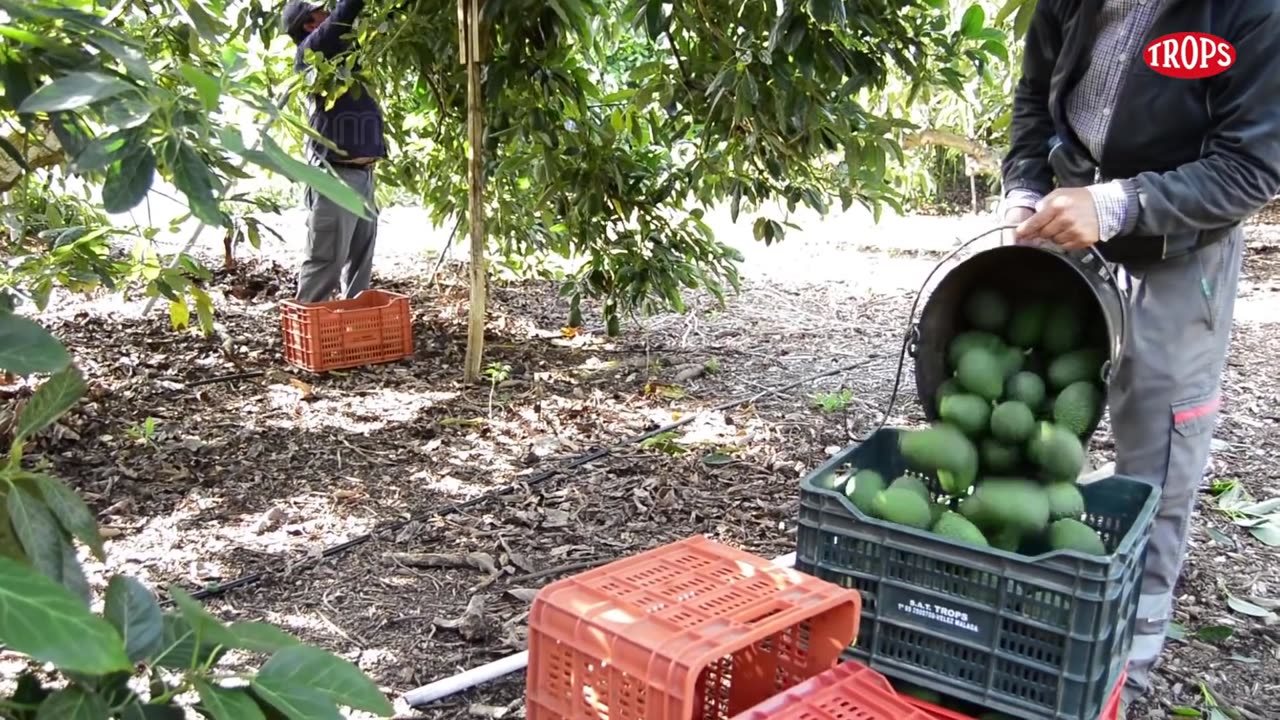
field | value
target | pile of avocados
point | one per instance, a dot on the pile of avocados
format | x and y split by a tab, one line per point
1009	443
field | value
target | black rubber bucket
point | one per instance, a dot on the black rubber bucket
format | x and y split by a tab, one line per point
1017	271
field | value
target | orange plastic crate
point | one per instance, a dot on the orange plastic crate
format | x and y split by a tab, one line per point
694	630
849	691
373	327
1110	712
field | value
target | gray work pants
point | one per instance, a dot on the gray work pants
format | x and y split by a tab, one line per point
1164	402
339	255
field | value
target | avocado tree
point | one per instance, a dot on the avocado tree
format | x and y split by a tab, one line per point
612	124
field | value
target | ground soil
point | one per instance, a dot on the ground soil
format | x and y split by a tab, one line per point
209	460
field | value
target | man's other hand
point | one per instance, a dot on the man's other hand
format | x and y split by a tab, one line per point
1066	217
1015	216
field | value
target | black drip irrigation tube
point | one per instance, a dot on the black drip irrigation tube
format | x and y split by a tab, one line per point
541	477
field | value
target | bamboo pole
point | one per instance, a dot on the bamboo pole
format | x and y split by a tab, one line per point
470	42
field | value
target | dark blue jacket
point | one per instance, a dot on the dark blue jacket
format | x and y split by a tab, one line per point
1197	156
354	123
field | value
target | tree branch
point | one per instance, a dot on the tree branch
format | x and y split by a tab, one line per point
41	149
985	159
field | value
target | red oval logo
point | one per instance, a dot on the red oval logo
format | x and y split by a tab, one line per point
1189	55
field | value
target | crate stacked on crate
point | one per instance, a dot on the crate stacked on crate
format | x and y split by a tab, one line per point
1040	637
373	327
852	691
849	691
693	630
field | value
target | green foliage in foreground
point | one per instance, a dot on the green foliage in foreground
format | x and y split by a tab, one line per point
45	601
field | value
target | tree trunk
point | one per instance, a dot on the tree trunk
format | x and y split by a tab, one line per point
475	138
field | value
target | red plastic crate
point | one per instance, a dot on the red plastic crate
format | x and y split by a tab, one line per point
373	327
1110	712
694	630
849	691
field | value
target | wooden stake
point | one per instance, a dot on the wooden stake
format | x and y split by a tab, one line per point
475	137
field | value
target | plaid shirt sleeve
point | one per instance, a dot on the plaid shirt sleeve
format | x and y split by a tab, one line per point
1111	203
1020	198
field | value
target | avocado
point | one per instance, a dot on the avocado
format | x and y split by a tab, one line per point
968	412
1071	534
1057	450
945	450
1010	503
961	344
863	488
903	506
981	372
986	309
949	387
1063	329
1012	422
998	457
1027	324
1065	500
1077	405
1075	366
912	483
956	527
1025	387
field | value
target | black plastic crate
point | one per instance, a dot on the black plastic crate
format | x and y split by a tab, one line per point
1042	638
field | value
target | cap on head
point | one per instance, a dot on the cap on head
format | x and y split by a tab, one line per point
295	17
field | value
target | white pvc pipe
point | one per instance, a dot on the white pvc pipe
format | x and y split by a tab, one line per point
468	679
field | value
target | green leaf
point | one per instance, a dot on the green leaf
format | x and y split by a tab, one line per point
261	637
1221	538
38	530
129	179
207	628
220	703
127	112
204	309
310	667
1214	633
192	176
54	397
1010	7
328	185
70	510
73	703
179	314
972	21
180	650
74	91
27	348
130	58
44	620
1268	533
132	609
72	574
99	154
1022	20
297	702
716	459
207	86
1245	607
828	12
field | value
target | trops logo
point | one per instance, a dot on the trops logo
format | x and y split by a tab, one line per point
1189	55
